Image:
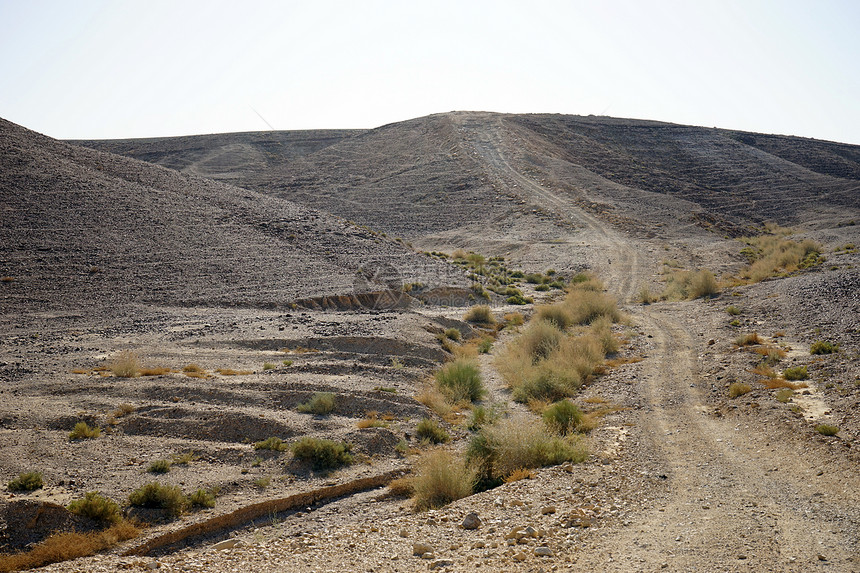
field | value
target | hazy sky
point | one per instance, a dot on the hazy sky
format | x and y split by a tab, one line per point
98	69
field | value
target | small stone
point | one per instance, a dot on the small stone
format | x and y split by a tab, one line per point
419	548
499	502
153	565
531	531
515	533
440	563
471	521
742	556
429	555
479	545
664	565
226	544
519	556
548	510
543	552
404	532
821	557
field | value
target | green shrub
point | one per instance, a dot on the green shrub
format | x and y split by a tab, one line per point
823	347
460	381
83	431
202	498
485	345
321	453
453	334
159	467
273	443
783	395
563	417
688	285
795	373
428	429
27	481
519	299
479	314
269	366
440	479
321	403
479	417
97	507
733	310
827	429
157	496
738	389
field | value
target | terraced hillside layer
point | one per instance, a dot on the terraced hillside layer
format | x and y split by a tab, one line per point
85	227
228	157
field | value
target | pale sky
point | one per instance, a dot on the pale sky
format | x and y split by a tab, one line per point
96	69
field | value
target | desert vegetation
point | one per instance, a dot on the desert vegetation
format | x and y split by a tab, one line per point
774	254
321	403
322	454
562	345
26	482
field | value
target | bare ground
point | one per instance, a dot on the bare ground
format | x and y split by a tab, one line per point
682	478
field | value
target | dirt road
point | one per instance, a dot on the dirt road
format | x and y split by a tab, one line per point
741	497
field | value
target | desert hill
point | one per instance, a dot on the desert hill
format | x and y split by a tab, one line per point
432	175
83	226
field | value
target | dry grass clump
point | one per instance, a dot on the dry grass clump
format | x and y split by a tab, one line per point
159	496
460	381
585	306
126	365
401	487
429	430
66	546
774	255
558	374
440	479
26	481
321	403
83	431
95	506
774	383
434	399
372	420
511	444
514	319
689	285
159	467
155	371
555	314
195	371
738	389
480	314
520	474
231	372
323	454
748	339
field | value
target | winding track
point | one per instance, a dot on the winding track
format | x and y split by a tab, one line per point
740	499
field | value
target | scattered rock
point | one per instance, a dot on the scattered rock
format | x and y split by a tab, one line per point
439	563
519	556
471	521
420	549
544	552
821	557
226	544
548	510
